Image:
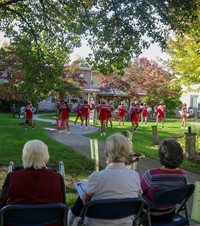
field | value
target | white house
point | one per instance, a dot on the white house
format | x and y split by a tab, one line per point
192	98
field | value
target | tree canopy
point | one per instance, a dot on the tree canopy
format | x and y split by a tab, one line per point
184	51
116	30
145	79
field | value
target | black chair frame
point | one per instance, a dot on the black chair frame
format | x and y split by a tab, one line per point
34	214
112	209
170	197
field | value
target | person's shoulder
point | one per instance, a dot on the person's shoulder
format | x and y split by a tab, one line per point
152	171
133	173
17	172
95	176
181	171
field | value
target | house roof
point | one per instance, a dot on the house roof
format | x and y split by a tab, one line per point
112	92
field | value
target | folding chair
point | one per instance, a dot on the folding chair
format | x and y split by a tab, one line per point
34	215
112	209
170	198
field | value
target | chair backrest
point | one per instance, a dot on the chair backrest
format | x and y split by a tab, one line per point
111	209
173	196
34	214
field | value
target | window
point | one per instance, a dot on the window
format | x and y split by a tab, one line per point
82	75
193	102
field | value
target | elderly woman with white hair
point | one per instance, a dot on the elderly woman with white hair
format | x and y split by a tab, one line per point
35	183
115	181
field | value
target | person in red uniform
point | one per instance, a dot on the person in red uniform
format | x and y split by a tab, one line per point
160	109
103	118
86	112
110	110
79	113
29	109
34	184
121	114
65	109
144	114
135	114
184	114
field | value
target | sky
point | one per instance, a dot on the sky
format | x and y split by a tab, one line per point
152	53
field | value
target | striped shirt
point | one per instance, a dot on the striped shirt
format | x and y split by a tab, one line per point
155	179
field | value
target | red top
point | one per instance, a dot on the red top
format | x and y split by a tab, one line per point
86	108
65	111
103	112
160	111
29	114
79	110
121	111
29	186
144	111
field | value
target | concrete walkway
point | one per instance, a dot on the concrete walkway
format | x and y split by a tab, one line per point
81	144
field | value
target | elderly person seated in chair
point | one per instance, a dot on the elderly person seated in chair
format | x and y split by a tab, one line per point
34	184
115	181
169	175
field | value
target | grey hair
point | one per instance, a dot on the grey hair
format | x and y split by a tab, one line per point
35	154
117	147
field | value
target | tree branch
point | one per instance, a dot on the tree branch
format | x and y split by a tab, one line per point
29	26
4	4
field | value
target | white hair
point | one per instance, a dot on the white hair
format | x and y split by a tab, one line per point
117	147
35	154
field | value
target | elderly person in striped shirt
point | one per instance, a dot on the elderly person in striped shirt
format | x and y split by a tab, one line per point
169	175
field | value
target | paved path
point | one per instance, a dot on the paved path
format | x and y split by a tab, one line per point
81	144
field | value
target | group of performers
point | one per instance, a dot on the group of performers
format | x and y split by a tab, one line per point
105	114
82	111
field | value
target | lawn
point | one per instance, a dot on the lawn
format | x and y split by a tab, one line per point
77	167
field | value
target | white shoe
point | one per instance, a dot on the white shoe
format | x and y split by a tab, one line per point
81	127
68	132
70	218
104	134
101	134
181	127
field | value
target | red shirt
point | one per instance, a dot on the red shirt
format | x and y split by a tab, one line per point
103	112
86	108
65	111
121	111
29	186
29	114
79	110
144	111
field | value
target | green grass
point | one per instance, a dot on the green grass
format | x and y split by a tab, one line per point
77	167
13	137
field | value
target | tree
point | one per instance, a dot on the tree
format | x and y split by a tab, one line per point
116	30
155	83
146	80
184	52
11	71
31	78
70	82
